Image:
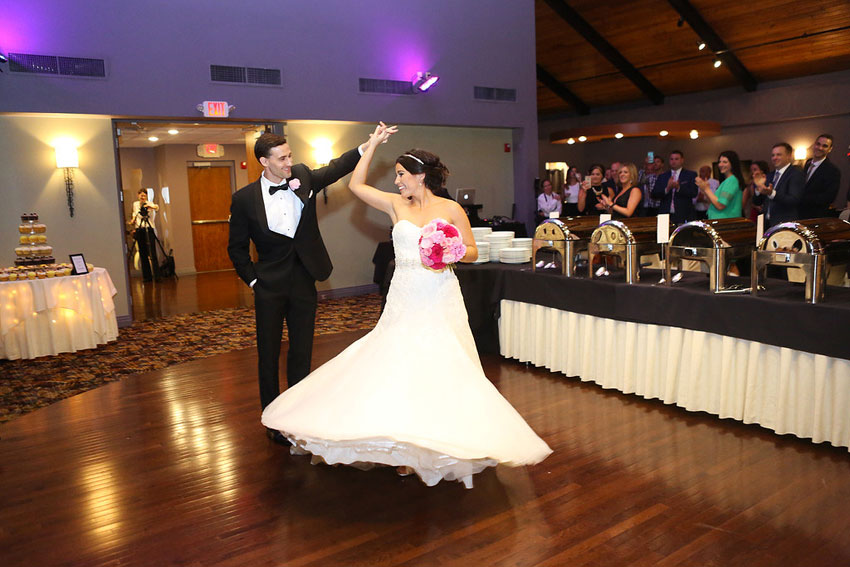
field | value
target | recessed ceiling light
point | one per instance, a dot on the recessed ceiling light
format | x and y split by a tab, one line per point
582	138
693	134
618	135
173	131
663	133
700	44
571	141
717	63
153	139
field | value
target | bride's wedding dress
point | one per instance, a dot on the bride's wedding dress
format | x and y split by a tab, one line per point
410	393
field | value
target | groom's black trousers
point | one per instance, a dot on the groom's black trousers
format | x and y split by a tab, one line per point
296	304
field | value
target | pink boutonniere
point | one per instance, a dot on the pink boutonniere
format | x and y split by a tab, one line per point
294	183
440	245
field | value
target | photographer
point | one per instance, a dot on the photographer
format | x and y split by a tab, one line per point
144	213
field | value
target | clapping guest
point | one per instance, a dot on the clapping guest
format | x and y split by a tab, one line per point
628	198
822	180
757	169
547	202
781	197
611	176
701	203
571	190
651	172
676	189
725	202
592	190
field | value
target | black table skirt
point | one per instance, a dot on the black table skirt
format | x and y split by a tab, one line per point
778	316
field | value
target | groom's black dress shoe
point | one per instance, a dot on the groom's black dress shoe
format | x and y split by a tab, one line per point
277	437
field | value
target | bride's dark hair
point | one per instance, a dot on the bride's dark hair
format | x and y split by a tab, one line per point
420	161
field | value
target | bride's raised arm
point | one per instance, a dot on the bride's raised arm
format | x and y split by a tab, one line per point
371	196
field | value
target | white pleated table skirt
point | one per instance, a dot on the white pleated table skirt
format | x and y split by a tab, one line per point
782	389
50	316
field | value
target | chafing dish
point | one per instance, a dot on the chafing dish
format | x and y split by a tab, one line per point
714	243
813	245
626	239
560	242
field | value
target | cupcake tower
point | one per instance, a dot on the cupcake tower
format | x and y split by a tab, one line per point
33	249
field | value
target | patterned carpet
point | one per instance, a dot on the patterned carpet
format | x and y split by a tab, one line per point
26	385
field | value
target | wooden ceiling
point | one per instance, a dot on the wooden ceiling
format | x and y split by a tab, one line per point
596	53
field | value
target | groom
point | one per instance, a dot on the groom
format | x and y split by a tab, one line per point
278	213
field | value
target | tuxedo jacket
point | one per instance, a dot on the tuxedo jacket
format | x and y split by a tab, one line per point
784	207
820	190
684	198
276	253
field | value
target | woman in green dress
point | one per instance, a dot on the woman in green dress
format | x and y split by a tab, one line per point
727	200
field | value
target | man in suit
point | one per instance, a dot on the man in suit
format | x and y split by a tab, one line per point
822	180
278	213
676	190
780	198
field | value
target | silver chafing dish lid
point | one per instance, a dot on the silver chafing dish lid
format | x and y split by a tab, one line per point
626	231
567	228
716	233
812	236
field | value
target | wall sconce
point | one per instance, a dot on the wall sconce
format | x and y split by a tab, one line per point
800	153
322	151
68	160
423	81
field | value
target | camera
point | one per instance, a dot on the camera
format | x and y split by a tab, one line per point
143	211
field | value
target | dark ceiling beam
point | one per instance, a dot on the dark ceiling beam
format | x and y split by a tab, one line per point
562	91
606	49
715	43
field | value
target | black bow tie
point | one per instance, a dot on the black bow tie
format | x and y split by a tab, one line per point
275	188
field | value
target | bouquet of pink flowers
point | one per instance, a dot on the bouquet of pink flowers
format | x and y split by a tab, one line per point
440	245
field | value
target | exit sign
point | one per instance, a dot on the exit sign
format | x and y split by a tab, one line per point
216	109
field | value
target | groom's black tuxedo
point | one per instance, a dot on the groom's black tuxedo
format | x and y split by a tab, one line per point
286	270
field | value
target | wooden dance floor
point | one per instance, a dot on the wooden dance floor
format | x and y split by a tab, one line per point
174	468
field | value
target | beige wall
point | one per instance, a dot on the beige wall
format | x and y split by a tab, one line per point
351	230
475	156
30	182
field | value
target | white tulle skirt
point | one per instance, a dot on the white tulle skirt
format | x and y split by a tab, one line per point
411	393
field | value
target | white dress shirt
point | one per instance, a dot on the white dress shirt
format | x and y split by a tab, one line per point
283	209
548	203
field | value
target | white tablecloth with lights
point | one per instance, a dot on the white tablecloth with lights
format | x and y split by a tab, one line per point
47	316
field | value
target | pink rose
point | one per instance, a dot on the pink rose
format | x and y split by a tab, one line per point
294	183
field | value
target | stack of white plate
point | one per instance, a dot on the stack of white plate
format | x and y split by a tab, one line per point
515	255
522	243
483	252
498	240
480	232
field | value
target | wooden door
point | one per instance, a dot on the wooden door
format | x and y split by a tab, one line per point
210	191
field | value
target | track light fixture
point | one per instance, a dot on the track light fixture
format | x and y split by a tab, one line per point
423	81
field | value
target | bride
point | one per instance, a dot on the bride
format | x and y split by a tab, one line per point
411	393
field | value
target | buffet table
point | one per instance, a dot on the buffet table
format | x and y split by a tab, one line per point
771	359
47	316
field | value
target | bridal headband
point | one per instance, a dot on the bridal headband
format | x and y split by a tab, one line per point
416	158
